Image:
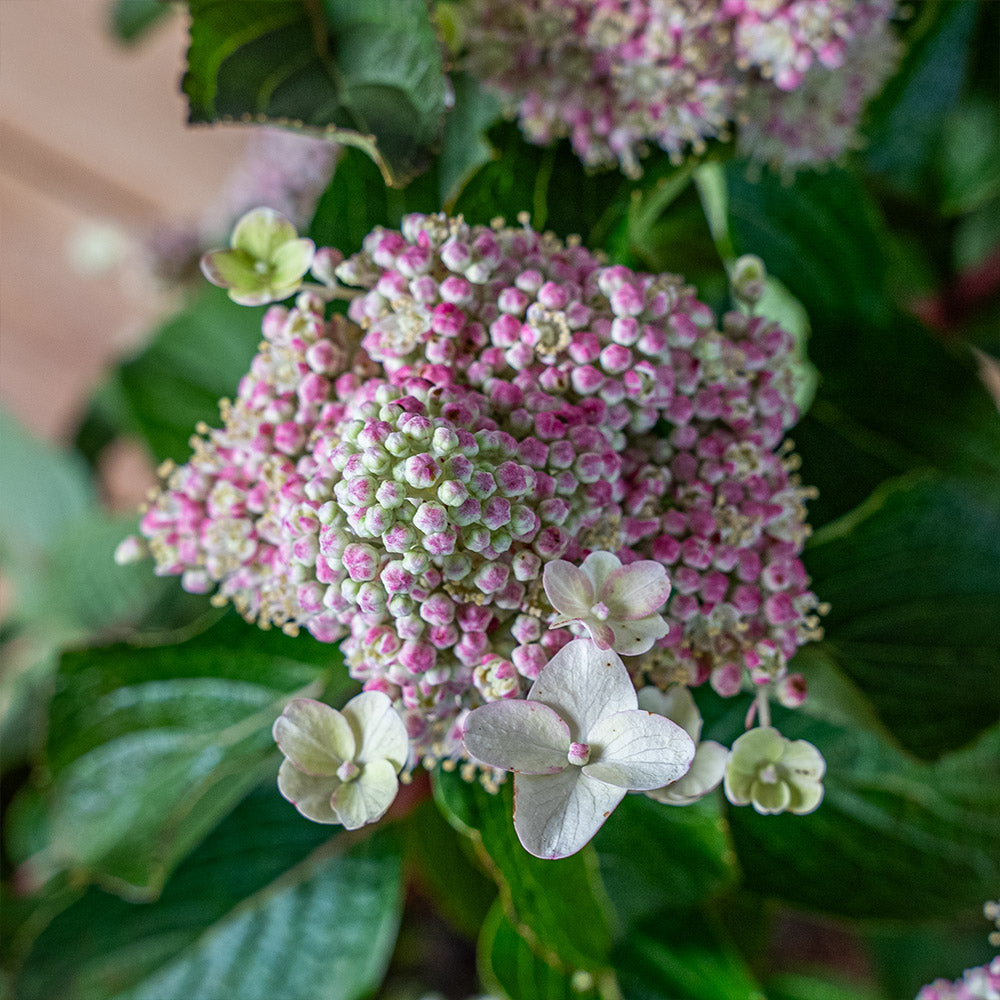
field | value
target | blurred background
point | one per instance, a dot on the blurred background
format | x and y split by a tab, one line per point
95	158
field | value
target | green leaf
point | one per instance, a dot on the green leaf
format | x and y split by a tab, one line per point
442	860
793	986
366	73
131	20
269	906
684	958
893	838
197	357
823	237
891	398
464	148
906	119
41	491
653	856
507	963
912	580
558	906
149	747
356	201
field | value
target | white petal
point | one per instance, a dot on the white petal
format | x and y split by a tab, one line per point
599	566
378	728
568	589
516	735
707	769
677	705
310	795
635	637
635	591
261	231
638	750
366	799
313	736
557	814
583	684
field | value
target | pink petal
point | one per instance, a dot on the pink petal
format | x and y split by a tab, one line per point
636	591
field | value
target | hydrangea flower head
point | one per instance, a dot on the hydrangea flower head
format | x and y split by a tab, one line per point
341	767
576	745
981	983
774	774
616	604
267	260
709	764
616	76
497	401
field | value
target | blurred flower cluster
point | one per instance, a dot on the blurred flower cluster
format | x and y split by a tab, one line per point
616	76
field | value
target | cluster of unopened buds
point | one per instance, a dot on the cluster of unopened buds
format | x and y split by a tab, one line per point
509	466
616	76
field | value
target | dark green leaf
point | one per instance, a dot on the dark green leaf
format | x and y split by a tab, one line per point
356	201
442	861
507	960
149	747
131	20
914	589
653	856
464	147
268	907
893	838
906	119
556	905
824	239
362	72
682	959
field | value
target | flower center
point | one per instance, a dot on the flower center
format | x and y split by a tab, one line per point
348	771
579	753
769	775
601	611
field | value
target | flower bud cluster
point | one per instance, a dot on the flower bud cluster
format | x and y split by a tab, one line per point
498	400
614	75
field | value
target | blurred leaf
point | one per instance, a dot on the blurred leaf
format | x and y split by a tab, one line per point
912	579
682	959
268	907
906	958
131	20
970	157
893	838
558	906
149	747
464	147
653	856
507	962
795	986
890	398
41	491
441	859
366	73
906	119
197	357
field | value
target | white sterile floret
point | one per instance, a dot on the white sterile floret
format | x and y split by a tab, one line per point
576	745
709	764
617	604
341	767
